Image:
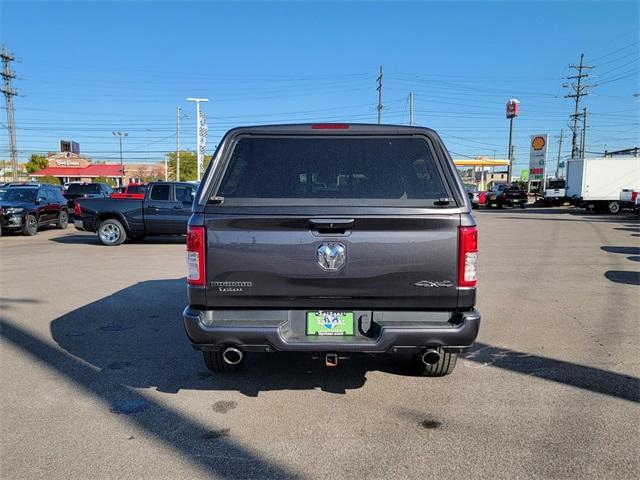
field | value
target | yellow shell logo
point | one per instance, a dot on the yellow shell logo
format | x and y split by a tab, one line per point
537	143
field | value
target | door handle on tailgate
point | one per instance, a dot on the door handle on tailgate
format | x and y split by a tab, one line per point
331	225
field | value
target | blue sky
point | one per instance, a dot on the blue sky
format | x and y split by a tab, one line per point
88	68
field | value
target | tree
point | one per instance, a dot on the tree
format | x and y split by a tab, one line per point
188	165
36	162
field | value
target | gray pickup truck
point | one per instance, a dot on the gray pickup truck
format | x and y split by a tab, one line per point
164	210
332	239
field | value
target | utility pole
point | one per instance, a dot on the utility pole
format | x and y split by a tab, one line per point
9	93
178	110
579	91
584	132
120	135
559	154
199	140
411	109
380	95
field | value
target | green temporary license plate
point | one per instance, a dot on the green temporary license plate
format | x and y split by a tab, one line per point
329	323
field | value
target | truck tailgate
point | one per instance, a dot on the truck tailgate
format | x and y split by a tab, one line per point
389	261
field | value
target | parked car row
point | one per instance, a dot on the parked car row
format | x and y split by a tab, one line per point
138	210
501	195
27	207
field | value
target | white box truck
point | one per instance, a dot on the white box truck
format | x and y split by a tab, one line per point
595	183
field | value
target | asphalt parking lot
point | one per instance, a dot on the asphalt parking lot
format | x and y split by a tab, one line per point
98	380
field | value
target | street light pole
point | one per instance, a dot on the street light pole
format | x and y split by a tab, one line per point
120	135
199	153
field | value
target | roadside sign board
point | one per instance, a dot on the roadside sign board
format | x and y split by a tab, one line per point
538	156
513	108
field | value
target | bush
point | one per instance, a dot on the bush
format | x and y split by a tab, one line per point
49	179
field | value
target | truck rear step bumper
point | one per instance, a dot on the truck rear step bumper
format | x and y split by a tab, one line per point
284	330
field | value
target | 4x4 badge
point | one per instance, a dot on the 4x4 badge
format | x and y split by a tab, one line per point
331	256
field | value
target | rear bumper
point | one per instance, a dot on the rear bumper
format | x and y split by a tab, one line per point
284	330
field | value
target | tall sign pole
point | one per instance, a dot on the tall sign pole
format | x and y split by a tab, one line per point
513	110
200	138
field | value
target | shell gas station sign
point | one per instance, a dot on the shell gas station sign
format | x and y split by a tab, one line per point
538	156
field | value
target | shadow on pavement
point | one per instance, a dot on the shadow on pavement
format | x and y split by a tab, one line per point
572	374
136	339
92	238
621	250
211	448
621	276
76	239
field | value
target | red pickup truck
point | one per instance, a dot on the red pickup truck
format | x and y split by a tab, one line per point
133	190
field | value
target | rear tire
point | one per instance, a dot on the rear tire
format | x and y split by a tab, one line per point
613	208
63	220
215	363
30	226
445	365
111	232
523	205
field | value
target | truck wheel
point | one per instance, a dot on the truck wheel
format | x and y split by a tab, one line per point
445	365
214	362
613	208
63	220
30	226
111	232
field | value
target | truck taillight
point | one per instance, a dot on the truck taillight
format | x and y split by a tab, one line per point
77	210
195	255
468	251
634	195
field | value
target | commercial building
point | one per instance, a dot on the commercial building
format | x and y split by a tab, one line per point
72	167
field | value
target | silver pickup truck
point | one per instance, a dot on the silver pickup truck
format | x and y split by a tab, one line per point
332	239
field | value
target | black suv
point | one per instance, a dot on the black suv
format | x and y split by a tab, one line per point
86	190
28	207
332	239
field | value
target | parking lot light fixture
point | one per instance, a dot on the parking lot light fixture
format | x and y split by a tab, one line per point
120	135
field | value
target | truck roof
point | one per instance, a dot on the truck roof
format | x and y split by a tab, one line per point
332	129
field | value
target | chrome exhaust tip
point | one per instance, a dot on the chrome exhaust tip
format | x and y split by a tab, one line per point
431	356
232	355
